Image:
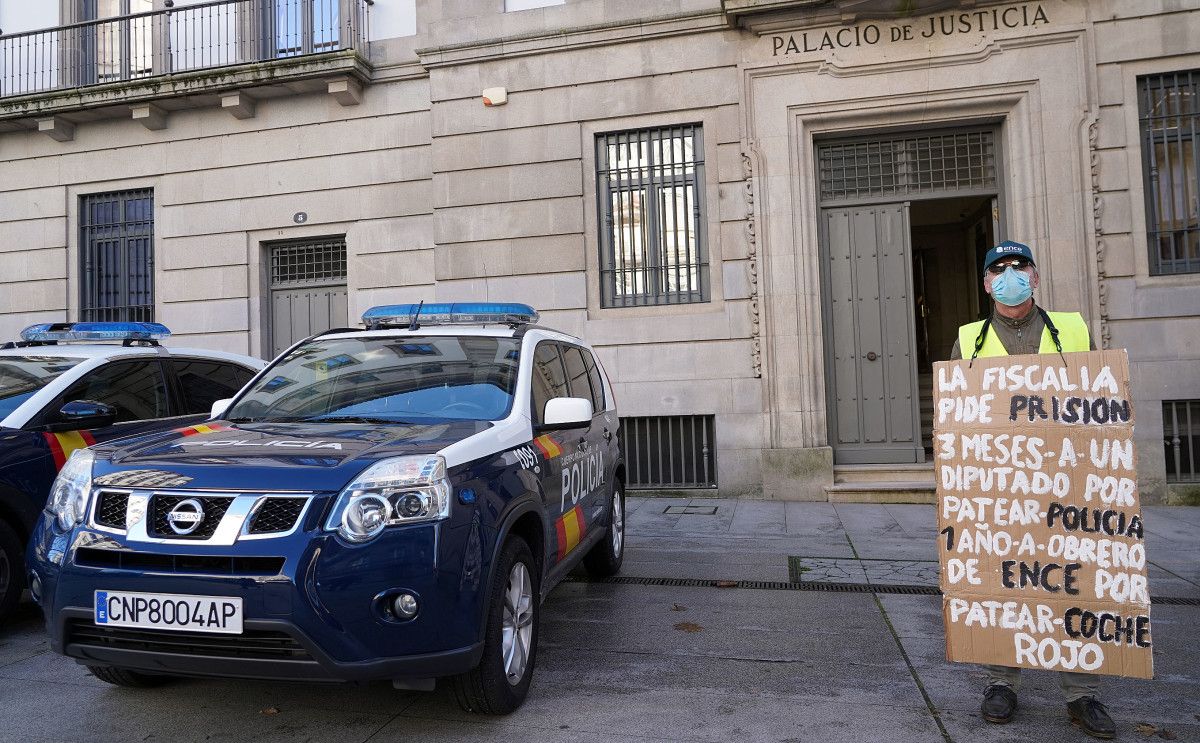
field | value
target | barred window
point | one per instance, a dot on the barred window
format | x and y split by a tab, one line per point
650	186
1170	132
1181	437
117	256
900	166
308	262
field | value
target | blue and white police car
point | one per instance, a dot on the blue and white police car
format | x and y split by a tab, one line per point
66	386
391	503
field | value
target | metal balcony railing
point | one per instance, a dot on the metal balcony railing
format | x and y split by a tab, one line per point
178	39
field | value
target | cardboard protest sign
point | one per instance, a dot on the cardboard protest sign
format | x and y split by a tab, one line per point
1043	561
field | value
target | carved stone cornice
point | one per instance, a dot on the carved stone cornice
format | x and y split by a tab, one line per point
752	264
1098	230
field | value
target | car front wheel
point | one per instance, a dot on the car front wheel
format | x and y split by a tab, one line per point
123	677
499	684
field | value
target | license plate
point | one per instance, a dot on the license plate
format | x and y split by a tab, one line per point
169	611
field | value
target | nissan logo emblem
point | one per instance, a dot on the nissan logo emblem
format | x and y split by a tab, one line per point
186	516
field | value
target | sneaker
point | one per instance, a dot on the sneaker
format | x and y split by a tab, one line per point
1089	714
999	704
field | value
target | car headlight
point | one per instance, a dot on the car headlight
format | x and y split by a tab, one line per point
69	494
400	490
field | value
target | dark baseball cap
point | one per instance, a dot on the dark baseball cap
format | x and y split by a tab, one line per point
1008	249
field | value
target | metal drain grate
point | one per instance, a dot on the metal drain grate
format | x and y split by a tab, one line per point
691	510
1173	601
780	585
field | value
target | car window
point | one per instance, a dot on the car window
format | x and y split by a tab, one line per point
387	379
135	389
22	376
549	378
203	382
597	384
577	375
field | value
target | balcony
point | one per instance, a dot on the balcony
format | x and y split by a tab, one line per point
228	53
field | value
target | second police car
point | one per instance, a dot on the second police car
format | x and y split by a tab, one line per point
66	386
390	503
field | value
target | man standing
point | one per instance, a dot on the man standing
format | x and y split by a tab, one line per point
1018	326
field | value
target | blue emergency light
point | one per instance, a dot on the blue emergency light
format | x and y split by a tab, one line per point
95	331
449	313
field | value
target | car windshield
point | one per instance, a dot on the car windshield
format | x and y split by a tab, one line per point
22	376
386	380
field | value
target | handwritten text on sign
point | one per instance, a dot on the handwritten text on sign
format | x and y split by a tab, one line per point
1040	533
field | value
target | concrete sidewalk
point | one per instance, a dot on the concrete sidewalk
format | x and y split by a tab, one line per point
886	545
640	661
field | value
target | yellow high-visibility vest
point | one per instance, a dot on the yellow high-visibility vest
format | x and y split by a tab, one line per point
1072	334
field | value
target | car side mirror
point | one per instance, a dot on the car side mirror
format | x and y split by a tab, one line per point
567	412
82	414
219	407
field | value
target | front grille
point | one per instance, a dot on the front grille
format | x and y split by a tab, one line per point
214	508
276	515
110	509
91	557
251	644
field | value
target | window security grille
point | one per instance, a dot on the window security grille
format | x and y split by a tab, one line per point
899	166
1181	436
650	187
1170	129
117	256
673	451
308	263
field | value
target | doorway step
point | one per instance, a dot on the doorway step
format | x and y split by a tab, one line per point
882	483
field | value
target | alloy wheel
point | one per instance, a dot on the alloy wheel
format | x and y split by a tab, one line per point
518	623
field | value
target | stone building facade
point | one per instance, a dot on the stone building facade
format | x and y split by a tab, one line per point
836	166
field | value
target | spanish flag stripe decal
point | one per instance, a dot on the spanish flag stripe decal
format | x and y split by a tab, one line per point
570	530
548	446
200	428
56	450
63	444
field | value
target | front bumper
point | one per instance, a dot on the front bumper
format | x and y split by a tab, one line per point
321	616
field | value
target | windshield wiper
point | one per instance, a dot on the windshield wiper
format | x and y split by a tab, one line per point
352	419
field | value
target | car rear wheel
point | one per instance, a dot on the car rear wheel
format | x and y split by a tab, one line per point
12	570
605	558
126	678
499	684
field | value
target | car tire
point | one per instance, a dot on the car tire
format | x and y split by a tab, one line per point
491	688
126	678
12	570
604	559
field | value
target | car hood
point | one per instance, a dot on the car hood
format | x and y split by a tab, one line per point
269	456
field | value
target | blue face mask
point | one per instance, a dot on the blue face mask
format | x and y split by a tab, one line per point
1011	287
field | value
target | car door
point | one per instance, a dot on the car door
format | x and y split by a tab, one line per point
606	423
558	451
135	388
589	473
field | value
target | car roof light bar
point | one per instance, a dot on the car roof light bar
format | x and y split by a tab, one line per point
54	332
449	313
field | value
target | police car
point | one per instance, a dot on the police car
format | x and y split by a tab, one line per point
62	388
391	503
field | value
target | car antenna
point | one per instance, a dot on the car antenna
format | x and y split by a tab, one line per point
412	325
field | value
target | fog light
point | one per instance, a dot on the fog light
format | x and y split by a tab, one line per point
404	606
